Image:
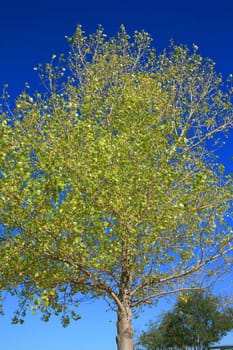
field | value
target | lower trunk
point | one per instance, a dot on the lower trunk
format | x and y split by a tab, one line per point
124	337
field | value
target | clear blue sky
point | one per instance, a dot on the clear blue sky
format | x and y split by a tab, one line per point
30	32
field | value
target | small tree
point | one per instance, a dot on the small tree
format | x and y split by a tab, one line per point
109	182
197	320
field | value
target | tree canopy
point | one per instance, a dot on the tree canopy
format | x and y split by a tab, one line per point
197	320
110	184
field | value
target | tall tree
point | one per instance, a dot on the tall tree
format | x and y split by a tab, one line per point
197	320
109	182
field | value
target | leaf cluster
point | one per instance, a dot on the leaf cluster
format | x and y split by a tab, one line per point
197	320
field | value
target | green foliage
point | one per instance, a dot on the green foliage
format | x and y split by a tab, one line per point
196	321
109	181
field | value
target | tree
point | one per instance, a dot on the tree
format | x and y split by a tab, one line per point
197	320
109	182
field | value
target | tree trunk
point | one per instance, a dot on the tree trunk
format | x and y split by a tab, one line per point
124	337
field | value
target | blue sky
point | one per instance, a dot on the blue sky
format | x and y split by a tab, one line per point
30	32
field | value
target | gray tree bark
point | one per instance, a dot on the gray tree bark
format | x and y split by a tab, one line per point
124	337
